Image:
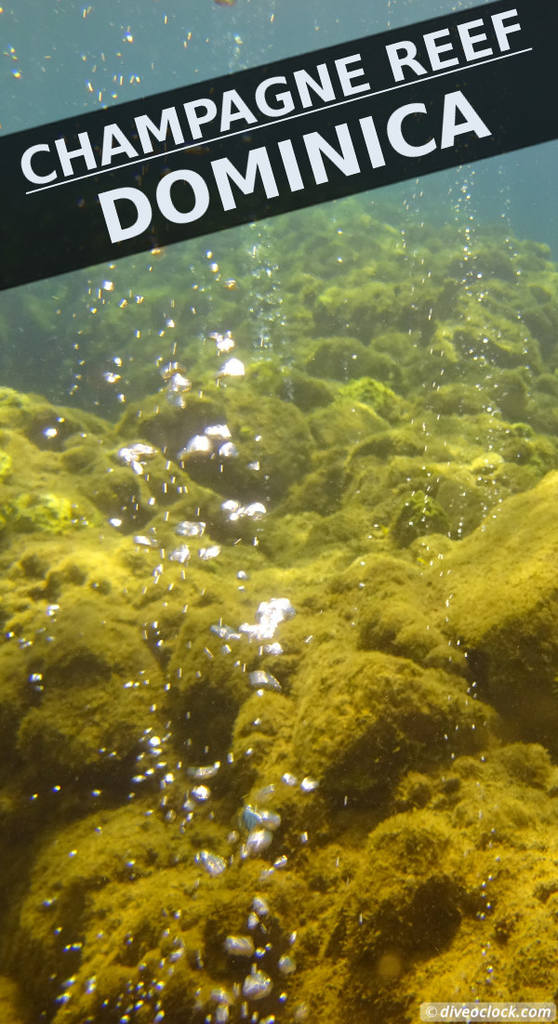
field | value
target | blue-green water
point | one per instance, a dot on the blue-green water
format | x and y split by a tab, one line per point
62	58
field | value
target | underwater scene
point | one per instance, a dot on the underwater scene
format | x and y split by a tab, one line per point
278	545
278	668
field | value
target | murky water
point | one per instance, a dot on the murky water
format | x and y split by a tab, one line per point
278	664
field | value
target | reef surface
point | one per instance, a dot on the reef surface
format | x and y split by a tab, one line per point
278	699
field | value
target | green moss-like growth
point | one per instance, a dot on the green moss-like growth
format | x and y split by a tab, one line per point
365	720
511	393
414	901
501	614
372	392
305	391
46	513
341	359
5	465
419	515
527	763
393	583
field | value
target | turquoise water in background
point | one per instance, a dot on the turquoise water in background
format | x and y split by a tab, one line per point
50	41
72	57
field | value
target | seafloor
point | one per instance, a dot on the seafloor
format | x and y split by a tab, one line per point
295	764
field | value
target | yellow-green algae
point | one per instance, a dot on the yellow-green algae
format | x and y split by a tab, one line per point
412	522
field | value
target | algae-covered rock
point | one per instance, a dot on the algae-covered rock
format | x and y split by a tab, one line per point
305	391
527	763
321	490
511	393
382	398
210	681
91	704
420	514
45	513
413	899
126	899
364	720
345	418
388	442
262	734
12	1006
341	359
170	427
278	719
503	609
392	619
5	465
95	885
457	397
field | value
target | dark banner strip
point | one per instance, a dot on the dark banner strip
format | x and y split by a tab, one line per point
276	138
